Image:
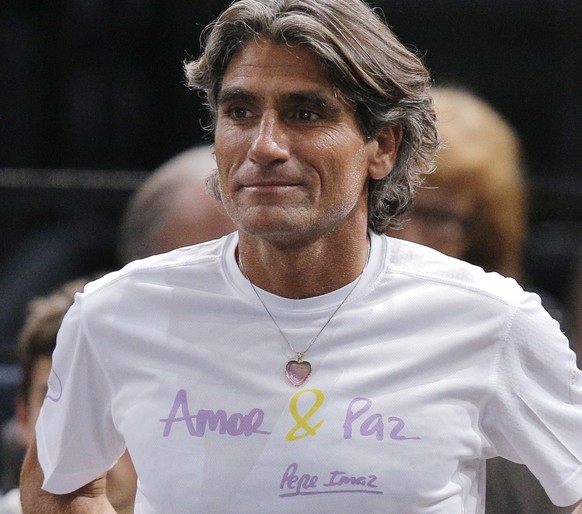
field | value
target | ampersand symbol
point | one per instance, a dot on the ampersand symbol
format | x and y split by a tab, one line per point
302	420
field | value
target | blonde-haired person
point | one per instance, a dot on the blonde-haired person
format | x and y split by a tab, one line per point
474	205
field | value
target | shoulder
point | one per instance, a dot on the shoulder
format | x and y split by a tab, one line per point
423	265
151	285
165	269
147	293
445	291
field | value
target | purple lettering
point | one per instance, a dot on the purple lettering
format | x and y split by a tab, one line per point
234	425
289	477
395	433
296	483
180	403
307	482
351	415
339	483
339	478
332	478
212	420
373	425
255	418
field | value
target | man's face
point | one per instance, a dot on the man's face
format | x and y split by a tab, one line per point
292	160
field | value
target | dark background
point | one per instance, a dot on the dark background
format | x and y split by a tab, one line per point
92	98
99	83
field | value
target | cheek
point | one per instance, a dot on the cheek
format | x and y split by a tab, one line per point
341	141
228	144
230	137
222	154
228	157
348	168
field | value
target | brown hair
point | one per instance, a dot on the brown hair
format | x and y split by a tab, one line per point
386	83
482	158
38	336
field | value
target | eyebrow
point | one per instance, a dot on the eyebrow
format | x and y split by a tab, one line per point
227	95
314	98
307	97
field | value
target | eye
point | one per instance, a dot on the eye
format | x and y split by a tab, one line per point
306	115
239	113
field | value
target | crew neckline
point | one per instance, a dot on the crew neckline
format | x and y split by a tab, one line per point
276	303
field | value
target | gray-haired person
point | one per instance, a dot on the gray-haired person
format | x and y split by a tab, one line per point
307	362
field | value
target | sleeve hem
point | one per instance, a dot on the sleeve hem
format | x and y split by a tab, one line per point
568	493
59	483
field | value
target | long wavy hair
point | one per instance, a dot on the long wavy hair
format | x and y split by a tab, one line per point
384	82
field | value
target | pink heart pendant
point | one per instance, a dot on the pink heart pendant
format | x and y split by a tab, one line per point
297	372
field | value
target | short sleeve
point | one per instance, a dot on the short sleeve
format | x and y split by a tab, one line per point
534	416
76	438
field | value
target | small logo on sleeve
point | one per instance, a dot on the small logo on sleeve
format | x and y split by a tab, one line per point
55	387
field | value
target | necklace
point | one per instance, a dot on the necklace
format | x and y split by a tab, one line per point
298	370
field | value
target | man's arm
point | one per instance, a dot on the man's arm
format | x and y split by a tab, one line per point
578	509
88	499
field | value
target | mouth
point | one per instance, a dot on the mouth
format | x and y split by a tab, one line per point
271	193
269	186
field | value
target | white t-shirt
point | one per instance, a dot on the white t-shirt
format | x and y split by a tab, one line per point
430	367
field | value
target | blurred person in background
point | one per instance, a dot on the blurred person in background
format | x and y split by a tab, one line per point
172	208
35	346
473	207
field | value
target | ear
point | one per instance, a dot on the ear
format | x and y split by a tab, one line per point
385	150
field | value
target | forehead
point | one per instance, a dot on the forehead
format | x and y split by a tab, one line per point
276	68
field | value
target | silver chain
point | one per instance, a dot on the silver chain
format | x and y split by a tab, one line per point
301	354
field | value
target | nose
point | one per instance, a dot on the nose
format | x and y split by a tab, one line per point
270	143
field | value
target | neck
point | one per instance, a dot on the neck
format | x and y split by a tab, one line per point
302	272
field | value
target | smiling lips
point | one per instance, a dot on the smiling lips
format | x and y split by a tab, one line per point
271	184
271	192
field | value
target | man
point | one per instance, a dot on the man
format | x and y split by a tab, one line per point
307	363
